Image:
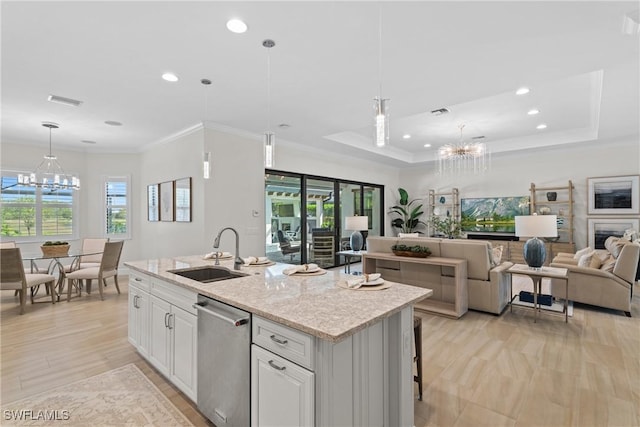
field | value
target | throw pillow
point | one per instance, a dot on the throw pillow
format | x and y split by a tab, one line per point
495	255
582	252
585	260
401	235
596	262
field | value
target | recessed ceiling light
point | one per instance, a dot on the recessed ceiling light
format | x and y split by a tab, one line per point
86	141
427	145
541	126
113	123
522	91
236	26
170	77
533	112
64	101
406	136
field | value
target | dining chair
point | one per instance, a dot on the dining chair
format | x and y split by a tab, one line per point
13	277
108	268
7	244
88	261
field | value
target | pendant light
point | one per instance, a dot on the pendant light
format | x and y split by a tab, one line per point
269	136
380	105
206	157
49	174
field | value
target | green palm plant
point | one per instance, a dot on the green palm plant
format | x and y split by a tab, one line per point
409	213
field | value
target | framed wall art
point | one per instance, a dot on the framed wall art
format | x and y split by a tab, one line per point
614	195
183	199
153	205
166	201
598	229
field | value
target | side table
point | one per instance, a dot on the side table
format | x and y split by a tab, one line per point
347	257
536	275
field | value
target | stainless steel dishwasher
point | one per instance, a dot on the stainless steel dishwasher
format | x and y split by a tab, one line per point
224	363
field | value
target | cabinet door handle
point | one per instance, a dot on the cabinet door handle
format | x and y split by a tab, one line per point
171	316
137	279
274	366
279	341
135	301
166	322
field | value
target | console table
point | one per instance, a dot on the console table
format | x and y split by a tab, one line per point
447	277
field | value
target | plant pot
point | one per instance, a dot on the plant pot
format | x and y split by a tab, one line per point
411	254
55	250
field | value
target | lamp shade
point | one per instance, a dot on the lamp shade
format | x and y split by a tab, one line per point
357	223
537	226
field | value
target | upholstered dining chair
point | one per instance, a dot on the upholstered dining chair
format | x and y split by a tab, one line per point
7	245
13	277
88	261
108	268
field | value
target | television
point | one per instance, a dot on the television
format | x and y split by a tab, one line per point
492	214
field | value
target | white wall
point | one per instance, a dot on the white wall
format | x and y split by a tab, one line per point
512	173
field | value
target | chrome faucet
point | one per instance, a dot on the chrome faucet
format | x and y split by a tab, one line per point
216	244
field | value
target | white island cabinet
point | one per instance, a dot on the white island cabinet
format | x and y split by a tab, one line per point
321	355
139	313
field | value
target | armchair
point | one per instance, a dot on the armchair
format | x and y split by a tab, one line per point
285	245
600	287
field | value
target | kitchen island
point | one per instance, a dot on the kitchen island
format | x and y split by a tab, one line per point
354	347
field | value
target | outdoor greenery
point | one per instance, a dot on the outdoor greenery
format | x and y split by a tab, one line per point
409	212
19	217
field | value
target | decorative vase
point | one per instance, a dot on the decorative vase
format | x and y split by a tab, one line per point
551	196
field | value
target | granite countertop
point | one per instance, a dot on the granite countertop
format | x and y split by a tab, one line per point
313	304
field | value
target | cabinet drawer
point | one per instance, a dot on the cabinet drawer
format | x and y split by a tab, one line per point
139	281
176	295
284	341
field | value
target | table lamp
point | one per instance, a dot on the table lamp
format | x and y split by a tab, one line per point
356	224
535	226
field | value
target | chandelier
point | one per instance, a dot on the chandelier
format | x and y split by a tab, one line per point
463	157
49	174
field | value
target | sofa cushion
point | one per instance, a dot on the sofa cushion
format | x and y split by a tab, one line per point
380	243
475	252
585	260
614	245
608	264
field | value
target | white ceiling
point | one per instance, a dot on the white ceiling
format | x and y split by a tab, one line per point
469	57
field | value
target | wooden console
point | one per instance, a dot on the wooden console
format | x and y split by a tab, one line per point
447	277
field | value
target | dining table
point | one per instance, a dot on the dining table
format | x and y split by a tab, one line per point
55	266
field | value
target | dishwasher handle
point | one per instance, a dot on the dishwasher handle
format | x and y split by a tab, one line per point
222	315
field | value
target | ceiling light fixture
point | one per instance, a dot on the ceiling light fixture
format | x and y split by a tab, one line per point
269	136
427	145
522	91
541	126
236	26
49	174
406	136
64	101
380	105
533	112
631	23
170	77
462	157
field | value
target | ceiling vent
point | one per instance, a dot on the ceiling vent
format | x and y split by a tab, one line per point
439	111
478	137
65	101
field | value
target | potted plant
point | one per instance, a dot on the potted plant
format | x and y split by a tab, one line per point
412	251
409	213
57	248
450	227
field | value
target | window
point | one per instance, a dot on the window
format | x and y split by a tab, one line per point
117	207
36	214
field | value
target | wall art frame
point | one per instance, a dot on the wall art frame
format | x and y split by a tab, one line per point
598	229
167	207
183	199
614	195
153	203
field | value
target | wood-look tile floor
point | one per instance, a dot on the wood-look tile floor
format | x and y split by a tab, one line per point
479	370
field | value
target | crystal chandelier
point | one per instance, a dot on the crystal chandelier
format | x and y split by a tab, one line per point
49	174
463	157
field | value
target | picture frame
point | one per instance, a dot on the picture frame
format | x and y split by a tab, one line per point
167	208
614	195
183	198
598	229
153	203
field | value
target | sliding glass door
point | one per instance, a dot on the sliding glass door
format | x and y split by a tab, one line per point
305	216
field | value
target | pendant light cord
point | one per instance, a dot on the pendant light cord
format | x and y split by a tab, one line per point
380	49
268	90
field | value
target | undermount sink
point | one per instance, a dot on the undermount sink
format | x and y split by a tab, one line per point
208	274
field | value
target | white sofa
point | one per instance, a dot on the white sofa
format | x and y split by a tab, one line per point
488	286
